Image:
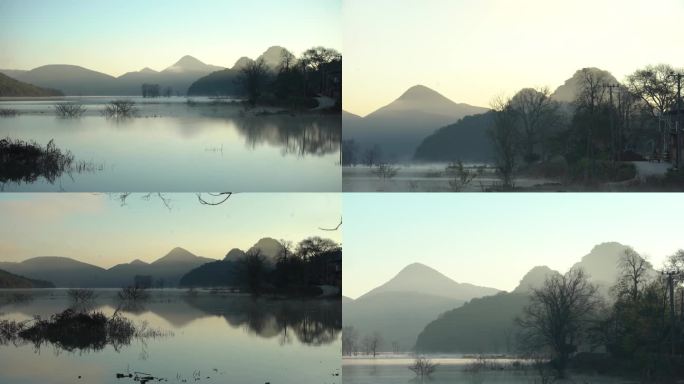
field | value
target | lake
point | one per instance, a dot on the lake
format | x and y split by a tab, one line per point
182	145
384	370
424	178
214	338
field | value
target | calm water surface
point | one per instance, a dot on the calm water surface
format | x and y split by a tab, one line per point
450	370
175	146
228	338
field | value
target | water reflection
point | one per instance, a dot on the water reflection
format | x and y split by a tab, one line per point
310	322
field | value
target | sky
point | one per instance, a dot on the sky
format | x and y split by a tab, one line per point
97	229
474	50
494	239
116	37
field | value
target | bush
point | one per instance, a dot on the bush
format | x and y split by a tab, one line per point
69	110
26	161
120	109
8	112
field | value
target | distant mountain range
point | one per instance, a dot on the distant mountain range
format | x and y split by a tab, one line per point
224	82
425	126
487	324
10	87
74	80
10	280
402	307
220	273
65	272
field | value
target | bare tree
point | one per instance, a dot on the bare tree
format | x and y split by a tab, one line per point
350	338
536	112
506	141
372	343
372	156
633	269
252	78
655	87
559	316
423	367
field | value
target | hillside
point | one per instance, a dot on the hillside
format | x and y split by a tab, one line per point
399	127
487	324
465	140
568	92
425	292
224	82
10	87
9	280
62	271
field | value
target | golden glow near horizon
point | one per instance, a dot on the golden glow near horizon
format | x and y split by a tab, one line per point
97	229
472	51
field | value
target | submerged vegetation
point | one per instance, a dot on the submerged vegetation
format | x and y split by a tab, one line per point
72	330
120	109
22	161
69	110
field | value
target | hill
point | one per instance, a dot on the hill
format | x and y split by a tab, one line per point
465	140
486	325
402	307
10	87
74	80
399	127
568	92
224	81
62	271
9	280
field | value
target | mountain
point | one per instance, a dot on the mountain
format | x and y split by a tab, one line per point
191	64
601	264
224	81
484	325
70	79
399	127
62	271
269	247
420	278
222	273
465	140
9	280
272	57
234	254
487	324
569	91
534	278
10	87
68	273
75	80
402	307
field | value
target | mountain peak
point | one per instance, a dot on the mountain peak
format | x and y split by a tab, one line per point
176	255
569	91
188	63
137	262
420	278
534	278
242	62
420	92
147	70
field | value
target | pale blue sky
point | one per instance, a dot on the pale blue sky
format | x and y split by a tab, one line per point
494	239
95	228
120	36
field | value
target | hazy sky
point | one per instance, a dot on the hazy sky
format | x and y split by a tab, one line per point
95	228
494	239
120	36
474	50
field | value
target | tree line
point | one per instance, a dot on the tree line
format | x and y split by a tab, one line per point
318	71
606	124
